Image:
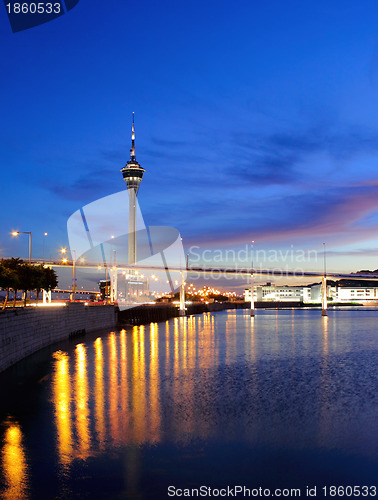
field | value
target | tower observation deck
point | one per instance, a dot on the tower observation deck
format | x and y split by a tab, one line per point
132	174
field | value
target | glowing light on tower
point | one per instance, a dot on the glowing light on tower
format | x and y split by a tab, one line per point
132	175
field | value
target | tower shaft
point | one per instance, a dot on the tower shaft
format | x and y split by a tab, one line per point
132	254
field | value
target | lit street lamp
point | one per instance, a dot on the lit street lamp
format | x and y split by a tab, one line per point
43	258
252	299
73	275
16	233
64	250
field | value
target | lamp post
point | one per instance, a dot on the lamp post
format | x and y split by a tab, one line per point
73	275
43	257
252	300
324	285
16	233
64	250
182	291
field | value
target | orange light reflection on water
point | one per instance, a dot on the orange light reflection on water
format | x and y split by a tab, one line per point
14	464
99	393
81	403
62	402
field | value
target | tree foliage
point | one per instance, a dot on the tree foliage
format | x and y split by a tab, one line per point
15	274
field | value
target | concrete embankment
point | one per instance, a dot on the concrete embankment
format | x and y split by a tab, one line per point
24	331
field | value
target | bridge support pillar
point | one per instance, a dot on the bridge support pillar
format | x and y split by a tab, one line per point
252	299
324	296
113	285
182	296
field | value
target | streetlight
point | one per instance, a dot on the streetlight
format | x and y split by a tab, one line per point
252	300
16	233
64	250
73	275
324	284
43	259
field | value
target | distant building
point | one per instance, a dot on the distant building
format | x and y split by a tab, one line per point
357	294
311	294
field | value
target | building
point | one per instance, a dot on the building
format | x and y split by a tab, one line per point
272	293
312	294
357	294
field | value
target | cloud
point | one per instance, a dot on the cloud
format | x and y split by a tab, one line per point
277	158
267	169
338	213
94	181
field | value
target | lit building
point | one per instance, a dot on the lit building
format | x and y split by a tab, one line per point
357	294
312	294
270	292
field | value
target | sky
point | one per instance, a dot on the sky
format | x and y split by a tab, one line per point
254	121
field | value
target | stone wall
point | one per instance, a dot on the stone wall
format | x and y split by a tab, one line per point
24	331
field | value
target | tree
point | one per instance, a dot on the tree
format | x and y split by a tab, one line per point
8	281
16	274
11	279
38	279
28	278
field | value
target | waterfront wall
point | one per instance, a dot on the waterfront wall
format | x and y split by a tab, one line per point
24	331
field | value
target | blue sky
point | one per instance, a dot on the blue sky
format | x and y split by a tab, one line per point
254	120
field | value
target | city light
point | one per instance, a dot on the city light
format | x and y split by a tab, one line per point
50	304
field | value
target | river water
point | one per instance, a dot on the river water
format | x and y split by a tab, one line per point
287	399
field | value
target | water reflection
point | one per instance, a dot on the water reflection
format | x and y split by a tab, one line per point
179	363
325	397
62	399
100	394
154	406
14	464
138	398
81	399
113	388
277	378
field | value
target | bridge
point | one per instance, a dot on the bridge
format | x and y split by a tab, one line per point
211	270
